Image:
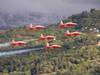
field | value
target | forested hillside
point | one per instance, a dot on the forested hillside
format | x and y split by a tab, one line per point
78	55
87	20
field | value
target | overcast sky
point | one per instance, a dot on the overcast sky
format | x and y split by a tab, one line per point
59	7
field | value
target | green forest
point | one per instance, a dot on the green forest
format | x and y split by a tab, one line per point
79	55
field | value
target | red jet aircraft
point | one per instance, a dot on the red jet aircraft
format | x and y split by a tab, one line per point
72	33
48	37
36	27
17	43
47	46
67	25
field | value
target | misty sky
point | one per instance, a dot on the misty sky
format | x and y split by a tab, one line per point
59	7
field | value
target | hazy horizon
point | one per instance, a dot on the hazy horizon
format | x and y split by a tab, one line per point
58	7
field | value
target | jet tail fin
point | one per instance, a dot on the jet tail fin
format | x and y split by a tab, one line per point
61	22
30	25
13	40
47	44
42	35
67	31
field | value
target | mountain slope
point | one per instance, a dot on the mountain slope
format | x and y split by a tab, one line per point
8	20
86	20
78	56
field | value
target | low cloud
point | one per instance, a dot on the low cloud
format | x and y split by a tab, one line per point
59	7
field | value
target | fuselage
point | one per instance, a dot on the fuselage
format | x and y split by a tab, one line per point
67	25
18	43
36	27
46	37
72	34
